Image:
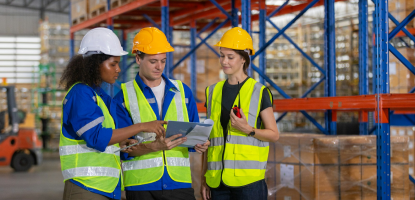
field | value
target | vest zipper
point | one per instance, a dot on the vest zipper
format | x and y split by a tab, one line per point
223	155
164	158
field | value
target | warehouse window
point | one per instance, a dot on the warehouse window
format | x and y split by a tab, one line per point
18	58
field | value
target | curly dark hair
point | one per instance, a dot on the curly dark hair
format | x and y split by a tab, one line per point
84	70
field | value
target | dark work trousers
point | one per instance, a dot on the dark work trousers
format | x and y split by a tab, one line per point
254	191
177	194
74	192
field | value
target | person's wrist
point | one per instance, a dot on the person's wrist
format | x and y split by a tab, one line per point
139	127
248	129
152	146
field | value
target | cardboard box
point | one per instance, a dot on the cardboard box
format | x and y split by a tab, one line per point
290	169
79	11
346	167
97	7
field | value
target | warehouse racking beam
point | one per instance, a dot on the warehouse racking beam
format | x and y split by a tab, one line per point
262	38
246	23
382	86
363	64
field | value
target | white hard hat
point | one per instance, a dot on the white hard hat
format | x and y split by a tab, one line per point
101	40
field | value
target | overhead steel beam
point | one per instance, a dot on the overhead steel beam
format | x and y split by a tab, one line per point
34	8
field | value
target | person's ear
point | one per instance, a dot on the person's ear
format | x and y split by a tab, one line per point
137	59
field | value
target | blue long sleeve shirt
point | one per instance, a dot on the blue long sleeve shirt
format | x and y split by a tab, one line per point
79	109
124	120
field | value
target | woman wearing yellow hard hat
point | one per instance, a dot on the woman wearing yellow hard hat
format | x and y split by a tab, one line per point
244	124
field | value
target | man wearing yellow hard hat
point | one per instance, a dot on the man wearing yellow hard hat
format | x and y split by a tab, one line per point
157	169
244	123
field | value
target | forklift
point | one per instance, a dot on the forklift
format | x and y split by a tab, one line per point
19	147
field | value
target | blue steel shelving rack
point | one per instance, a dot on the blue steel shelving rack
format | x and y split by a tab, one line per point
380	59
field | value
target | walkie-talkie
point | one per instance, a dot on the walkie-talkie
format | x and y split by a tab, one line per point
237	109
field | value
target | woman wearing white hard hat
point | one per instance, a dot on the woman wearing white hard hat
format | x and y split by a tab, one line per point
89	138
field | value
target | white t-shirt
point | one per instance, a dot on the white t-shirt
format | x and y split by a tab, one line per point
159	93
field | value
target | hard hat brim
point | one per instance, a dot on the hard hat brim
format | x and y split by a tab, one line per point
252	52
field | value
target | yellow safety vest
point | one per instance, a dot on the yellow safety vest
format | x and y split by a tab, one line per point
149	168
92	168
244	158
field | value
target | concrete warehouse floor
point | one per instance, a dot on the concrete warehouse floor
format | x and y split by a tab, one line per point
46	182
40	182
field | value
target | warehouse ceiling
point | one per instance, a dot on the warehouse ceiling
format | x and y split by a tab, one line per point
55	6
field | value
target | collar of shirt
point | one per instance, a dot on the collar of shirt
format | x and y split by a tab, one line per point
98	90
170	91
169	84
111	105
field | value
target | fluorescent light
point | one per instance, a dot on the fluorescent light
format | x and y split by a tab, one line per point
28	57
7	63
7	39
27	63
27	51
8	75
24	75
28	39
7	45
7	51
29	46
7	57
24	69
7	69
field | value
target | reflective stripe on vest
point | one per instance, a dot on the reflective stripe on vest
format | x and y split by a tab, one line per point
132	97
149	168
82	148
90	171
142	164
237	164
178	162
90	167
235	139
244	158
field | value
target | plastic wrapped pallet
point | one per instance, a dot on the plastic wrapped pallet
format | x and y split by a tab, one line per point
345	167
290	168
407	131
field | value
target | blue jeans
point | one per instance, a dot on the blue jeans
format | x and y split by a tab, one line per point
254	191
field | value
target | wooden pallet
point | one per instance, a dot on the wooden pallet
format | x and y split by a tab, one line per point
97	11
79	20
118	3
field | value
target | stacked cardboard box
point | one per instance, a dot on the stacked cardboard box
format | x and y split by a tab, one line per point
400	9
79	11
401	79
97	7
290	169
346	167
118	3
208	69
409	132
342	167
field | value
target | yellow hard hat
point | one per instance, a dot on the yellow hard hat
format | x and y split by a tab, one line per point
236	38
151	40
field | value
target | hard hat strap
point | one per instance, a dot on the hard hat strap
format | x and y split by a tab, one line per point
90	53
